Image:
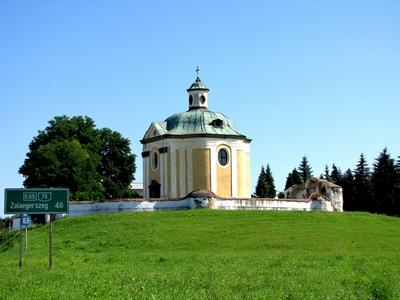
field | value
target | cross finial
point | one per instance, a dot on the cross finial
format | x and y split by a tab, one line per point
197	71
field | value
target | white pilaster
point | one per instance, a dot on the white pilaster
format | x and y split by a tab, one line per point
162	177
145	177
213	168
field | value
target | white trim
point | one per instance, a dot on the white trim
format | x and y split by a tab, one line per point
162	175
146	177
213	168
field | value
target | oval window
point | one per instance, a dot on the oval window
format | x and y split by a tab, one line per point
223	157
202	99
190	100
154	161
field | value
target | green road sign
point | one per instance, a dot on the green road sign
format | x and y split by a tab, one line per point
36	201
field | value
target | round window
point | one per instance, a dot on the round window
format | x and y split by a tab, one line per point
190	100
202	99
223	157
154	161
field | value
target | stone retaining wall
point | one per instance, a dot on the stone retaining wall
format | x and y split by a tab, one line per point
85	208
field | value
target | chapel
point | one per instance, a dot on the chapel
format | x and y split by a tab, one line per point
197	149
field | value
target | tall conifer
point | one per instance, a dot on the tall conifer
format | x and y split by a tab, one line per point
305	169
260	187
347	184
335	174
362	187
269	183
384	180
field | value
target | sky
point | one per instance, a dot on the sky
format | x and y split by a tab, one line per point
300	78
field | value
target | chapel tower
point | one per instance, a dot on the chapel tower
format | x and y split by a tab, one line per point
198	94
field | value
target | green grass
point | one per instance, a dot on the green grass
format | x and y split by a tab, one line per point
206	254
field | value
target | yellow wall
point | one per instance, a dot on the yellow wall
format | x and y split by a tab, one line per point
201	169
224	177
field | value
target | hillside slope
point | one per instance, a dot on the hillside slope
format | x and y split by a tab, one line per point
205	254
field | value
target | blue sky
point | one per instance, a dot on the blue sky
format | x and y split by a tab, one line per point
314	78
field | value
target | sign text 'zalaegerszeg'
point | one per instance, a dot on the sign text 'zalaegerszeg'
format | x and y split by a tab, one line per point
36	201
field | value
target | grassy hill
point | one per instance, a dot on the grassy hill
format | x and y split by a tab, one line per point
206	254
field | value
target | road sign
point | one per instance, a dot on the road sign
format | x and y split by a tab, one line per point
36	201
26	220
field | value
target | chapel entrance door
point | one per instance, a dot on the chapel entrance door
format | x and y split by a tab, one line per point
154	189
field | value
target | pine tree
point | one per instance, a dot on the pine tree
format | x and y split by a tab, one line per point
362	186
305	169
296	177
326	175
347	184
397	188
261	188
289	181
269	183
335	175
293	177
384	180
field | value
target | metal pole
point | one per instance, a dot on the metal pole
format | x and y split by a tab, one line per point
50	242
20	243
26	242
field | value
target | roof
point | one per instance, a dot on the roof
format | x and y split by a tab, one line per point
196	122
197	85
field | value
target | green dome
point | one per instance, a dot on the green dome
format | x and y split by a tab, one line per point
200	121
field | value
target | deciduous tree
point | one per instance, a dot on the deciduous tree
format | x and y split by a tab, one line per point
73	153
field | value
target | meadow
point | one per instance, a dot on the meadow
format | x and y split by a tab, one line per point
209	254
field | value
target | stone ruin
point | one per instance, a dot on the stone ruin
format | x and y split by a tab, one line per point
322	192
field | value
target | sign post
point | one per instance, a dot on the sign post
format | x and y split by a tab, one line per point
36	201
25	222
20	247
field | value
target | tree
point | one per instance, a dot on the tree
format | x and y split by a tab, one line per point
336	175
347	184
117	164
265	185
293	177
269	183
362	186
397	188
73	153
327	176
261	188
384	179
305	169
